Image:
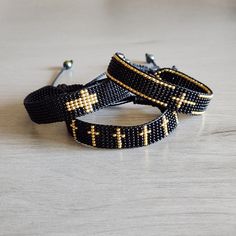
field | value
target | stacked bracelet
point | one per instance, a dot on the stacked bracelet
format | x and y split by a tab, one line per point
167	87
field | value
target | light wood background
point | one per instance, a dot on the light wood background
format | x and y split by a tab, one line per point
50	185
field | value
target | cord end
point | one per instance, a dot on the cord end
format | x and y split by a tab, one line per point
150	58
67	64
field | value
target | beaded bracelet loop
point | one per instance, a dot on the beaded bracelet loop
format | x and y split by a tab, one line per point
109	136
166	87
65	102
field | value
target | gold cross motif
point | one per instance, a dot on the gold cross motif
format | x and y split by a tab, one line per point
165	122
145	133
85	101
93	135
181	100
118	135
74	128
176	117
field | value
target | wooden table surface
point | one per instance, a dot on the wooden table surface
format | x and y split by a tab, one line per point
183	185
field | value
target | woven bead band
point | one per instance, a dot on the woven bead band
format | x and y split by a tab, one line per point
67	102
166	87
108	136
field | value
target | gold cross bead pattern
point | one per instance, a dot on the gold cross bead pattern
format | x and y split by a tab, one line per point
85	101
181	100
93	134
176	117
74	128
145	134
164	125
118	135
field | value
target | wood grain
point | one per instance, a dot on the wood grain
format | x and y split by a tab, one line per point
183	185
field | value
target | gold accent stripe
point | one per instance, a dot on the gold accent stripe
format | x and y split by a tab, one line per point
205	96
197	112
143	74
136	92
204	87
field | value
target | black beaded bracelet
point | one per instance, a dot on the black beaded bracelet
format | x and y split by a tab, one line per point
109	136
65	102
166	87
